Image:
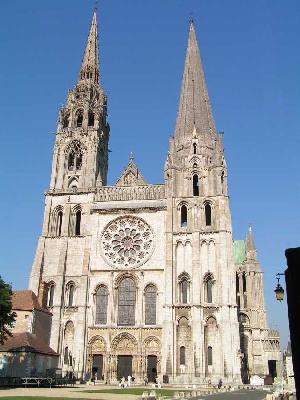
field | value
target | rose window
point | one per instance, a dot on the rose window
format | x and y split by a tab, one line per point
127	242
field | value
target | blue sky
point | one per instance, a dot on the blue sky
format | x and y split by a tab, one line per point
250	53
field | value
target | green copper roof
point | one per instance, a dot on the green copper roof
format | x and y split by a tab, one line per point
239	251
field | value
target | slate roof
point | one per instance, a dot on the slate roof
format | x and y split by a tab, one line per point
27	342
26	300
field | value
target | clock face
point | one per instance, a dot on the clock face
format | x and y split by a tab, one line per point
127	242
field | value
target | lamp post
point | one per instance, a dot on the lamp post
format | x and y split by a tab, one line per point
279	292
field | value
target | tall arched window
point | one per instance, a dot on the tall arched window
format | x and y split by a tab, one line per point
184	289
77	222
70	294
66	356
182	355
194	148
74	153
209	289
91	119
195	185
183	215
51	290
79	119
150	305
101	305
209	356
59	223
207	214
126	302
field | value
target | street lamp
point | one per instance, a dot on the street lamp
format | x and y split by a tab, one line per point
279	291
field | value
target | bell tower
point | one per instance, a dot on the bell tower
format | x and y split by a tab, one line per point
80	157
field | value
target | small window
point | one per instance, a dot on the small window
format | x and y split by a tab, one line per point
182	355
244	283
26	316
209	290
59	223
71	295
51	295
207	214
66	356
79	161
12	324
209	356
77	222
183	215
195	148
91	119
71	161
184	287
79	119
195	185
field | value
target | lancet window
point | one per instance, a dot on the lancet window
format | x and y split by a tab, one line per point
195	185
126	302
101	305
207	209
182	355
70	294
150	305
183	215
74	152
51	290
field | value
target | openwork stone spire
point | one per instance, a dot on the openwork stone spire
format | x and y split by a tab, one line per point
89	69
194	112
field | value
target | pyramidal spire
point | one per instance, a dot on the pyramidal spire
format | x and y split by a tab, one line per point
249	240
89	69
194	111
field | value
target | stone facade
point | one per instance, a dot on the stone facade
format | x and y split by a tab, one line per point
141	278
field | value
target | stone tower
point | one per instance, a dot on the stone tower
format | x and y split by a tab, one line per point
141	278
198	236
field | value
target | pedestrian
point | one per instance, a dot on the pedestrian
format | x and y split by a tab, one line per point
220	384
129	380
146	380
123	382
132	380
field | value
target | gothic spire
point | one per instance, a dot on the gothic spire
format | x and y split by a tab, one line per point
194	111
89	69
250	240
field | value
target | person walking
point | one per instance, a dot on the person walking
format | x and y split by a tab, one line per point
129	380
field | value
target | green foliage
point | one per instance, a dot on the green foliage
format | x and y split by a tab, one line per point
6	315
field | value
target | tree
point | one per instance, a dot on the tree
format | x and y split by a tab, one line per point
7	316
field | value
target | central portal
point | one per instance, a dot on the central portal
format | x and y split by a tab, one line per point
124	366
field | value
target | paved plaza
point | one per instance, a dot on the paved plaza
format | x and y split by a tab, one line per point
79	393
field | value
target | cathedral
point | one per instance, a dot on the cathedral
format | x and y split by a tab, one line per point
145	279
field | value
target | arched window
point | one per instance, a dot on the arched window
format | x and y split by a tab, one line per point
184	288
70	294
77	222
244	283
150	305
195	185
209	290
182	355
91	119
209	356
59	223
126	302
71	161
207	214
183	215
194	148
66	356
51	294
101	305
79	118
74	152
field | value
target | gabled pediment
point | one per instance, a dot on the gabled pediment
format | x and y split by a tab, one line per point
131	176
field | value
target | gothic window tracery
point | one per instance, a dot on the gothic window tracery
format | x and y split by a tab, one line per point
75	221
184	287
126	302
208	280
101	305
57	221
74	152
150	305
